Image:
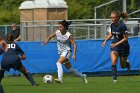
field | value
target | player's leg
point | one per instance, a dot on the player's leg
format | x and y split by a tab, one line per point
74	71
1	89
4	66
1	74
60	69
124	63
27	74
114	59
123	59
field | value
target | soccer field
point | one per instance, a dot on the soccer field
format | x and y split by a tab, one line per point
72	84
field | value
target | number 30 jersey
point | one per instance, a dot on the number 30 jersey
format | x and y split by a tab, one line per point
63	42
13	48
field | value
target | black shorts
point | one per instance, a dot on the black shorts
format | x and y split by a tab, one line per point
123	51
10	61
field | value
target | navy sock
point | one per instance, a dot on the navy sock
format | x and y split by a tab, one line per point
30	78
1	75
114	72
1	89
127	64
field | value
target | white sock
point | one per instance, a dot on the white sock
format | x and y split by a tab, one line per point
77	73
60	70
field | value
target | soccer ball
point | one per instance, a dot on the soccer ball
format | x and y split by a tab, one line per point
48	79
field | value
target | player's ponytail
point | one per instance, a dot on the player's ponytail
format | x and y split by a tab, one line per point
124	16
120	15
9	38
65	24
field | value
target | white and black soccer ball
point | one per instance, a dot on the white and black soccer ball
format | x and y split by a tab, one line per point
48	79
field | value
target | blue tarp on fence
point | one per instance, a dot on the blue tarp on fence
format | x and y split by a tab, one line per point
91	57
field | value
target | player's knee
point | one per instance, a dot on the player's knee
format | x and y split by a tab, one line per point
114	62
25	72
58	64
123	66
71	70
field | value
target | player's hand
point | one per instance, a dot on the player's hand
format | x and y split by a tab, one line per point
104	43
43	43
74	57
113	45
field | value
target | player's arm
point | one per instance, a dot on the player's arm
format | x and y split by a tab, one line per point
75	47
22	54
23	57
121	41
17	39
49	38
3	44
107	38
125	37
18	33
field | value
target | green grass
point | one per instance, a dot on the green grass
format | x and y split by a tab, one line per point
127	84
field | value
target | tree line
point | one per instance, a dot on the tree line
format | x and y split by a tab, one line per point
77	9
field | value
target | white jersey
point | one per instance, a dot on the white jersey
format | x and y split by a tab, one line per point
63	42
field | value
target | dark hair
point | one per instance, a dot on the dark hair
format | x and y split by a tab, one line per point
120	14
14	24
9	37
65	24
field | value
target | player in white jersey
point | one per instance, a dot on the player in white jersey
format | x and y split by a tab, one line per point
64	41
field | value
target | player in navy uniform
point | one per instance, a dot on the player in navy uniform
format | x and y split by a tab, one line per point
64	41
119	46
11	59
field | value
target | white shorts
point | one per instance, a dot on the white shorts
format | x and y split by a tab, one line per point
66	54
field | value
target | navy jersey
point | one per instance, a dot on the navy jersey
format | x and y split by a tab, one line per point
10	58
118	31
13	48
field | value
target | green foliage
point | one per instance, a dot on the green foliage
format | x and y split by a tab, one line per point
132	6
9	11
82	9
78	9
8	17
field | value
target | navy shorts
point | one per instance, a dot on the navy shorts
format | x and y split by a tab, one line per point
10	61
123	50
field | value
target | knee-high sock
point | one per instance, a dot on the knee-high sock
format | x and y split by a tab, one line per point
59	70
127	63
114	72
1	89
1	74
30	78
77	73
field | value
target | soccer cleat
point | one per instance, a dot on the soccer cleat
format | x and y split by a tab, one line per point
114	81
85	78
58	81
128	66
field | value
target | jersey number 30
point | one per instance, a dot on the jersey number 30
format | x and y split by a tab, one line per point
11	46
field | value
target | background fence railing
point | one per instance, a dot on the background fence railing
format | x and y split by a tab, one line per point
5	29
80	29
